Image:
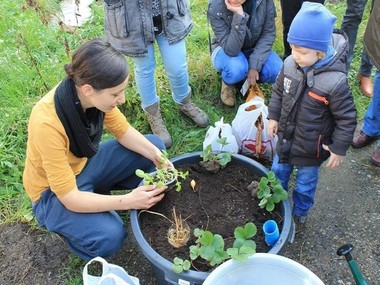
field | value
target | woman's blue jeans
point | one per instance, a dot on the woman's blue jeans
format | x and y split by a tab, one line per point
371	125
235	68
95	234
174	59
306	184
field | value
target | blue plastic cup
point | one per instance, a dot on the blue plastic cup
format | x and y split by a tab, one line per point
271	232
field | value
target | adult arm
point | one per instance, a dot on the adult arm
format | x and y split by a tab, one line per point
229	34
265	40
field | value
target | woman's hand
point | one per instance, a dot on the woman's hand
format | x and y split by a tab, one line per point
159	157
253	76
236	9
334	159
272	128
144	197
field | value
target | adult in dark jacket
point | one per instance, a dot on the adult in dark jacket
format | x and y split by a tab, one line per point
244	32
311	108
371	126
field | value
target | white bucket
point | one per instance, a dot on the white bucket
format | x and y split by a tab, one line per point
262	269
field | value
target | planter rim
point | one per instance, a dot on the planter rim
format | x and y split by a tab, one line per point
165	265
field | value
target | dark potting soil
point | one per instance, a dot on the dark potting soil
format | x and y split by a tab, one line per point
220	203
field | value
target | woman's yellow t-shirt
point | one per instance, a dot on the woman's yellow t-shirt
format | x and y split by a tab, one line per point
49	162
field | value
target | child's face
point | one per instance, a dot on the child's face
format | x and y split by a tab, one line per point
304	56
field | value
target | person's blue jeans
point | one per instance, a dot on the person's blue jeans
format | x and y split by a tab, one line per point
174	59
371	124
306	184
235	68
95	234
350	24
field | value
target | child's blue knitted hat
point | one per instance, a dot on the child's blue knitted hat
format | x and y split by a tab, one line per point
312	27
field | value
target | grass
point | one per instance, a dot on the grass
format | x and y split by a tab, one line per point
33	52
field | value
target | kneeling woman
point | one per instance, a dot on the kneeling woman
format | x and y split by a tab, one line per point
69	173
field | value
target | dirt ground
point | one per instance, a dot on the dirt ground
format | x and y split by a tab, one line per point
347	210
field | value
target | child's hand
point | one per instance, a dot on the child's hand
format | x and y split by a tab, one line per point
334	159
272	128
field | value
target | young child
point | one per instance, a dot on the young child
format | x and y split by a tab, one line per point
311	109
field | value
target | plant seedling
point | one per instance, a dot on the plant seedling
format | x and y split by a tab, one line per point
210	247
270	192
214	161
163	176
179	232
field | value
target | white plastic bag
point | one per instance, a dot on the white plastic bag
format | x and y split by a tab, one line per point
111	275
221	130
250	127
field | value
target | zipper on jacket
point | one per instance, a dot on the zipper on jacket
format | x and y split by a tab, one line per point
318	97
318	145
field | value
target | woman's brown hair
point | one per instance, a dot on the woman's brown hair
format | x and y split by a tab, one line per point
98	64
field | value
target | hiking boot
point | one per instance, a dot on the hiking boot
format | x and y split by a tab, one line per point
157	124
199	117
375	158
361	139
299	223
228	95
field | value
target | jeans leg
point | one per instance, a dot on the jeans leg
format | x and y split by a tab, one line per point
87	234
233	68
175	63
371	125
303	194
351	21
145	80
289	9
271	68
114	166
282	171
365	65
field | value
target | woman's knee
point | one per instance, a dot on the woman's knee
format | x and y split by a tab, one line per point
112	241
271	68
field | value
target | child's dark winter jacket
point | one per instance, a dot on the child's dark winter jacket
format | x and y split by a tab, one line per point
313	107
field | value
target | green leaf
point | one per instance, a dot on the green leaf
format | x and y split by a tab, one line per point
186	265
224	158
270	206
140	173
271	176
250	230
239	233
278	188
194	252
177	268
263	202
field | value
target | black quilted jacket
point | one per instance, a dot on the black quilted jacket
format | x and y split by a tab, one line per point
313	108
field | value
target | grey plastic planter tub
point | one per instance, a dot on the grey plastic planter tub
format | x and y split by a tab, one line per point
163	268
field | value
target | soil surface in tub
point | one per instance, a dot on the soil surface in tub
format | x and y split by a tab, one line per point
219	203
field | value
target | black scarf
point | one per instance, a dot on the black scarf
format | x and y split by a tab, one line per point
84	129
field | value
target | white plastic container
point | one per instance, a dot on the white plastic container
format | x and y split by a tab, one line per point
262	269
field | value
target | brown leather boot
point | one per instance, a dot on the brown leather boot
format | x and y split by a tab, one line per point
361	139
228	95
157	124
191	110
366	85
375	158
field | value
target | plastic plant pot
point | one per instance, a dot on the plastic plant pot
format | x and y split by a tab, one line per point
271	232
163	268
262	269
